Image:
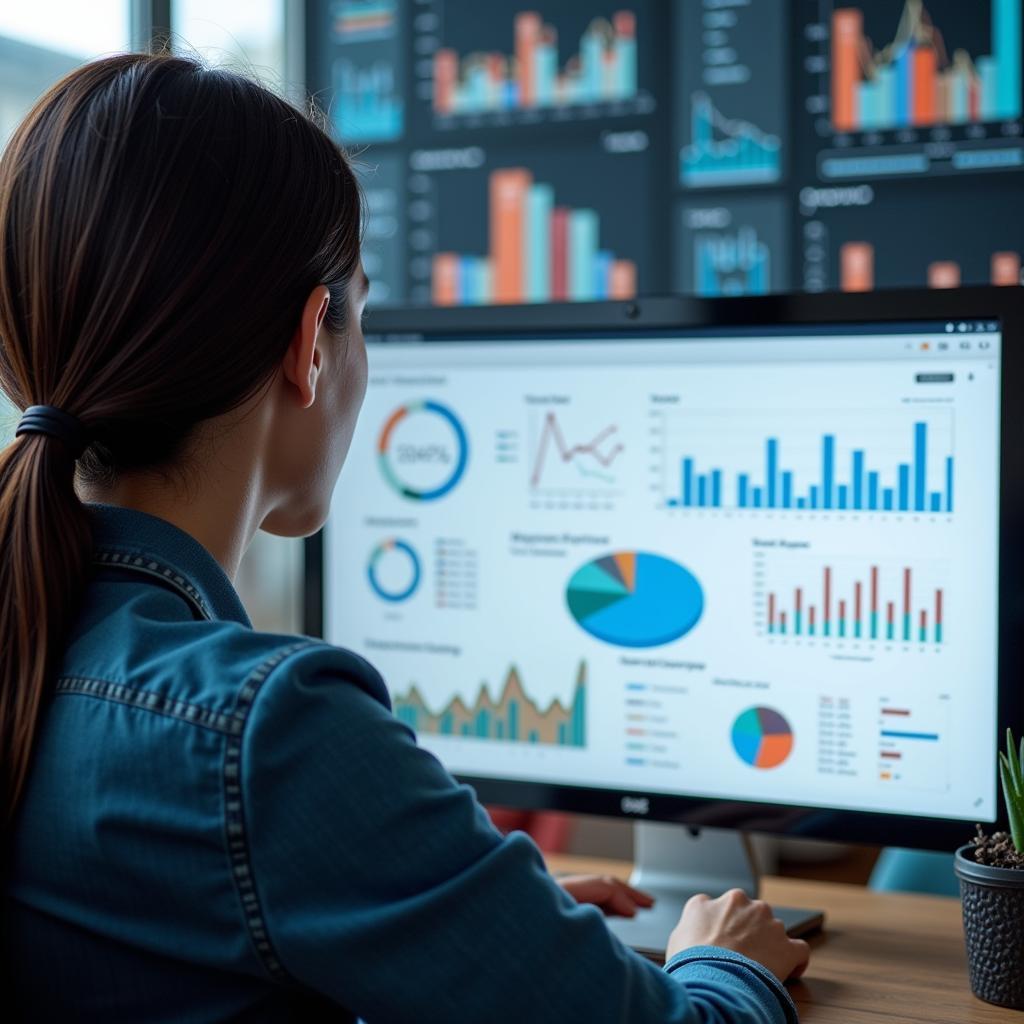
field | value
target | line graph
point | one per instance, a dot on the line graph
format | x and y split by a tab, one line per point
559	465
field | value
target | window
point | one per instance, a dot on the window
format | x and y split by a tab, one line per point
41	42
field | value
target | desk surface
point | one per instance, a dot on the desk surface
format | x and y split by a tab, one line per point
883	957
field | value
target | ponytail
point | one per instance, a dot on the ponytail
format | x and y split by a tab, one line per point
45	546
161	227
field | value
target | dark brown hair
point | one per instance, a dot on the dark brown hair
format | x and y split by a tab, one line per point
161	227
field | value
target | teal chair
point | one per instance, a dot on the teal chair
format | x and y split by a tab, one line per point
899	870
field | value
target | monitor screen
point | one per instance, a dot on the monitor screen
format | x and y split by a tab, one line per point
751	565
583	149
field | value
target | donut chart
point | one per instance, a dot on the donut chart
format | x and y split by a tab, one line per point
762	737
422	450
635	599
394	570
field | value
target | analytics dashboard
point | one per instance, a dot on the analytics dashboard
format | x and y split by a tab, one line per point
582	150
751	565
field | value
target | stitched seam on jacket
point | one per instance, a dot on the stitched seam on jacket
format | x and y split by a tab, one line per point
148	566
149	700
234	815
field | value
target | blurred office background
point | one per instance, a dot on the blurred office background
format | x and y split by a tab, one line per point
40	41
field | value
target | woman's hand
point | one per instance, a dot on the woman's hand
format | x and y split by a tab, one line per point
614	897
735	921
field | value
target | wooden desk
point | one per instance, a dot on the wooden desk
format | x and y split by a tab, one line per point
883	957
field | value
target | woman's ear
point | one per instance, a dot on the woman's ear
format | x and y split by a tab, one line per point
302	361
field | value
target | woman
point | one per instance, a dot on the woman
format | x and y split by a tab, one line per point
203	822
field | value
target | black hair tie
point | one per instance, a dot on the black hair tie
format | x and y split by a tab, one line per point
54	422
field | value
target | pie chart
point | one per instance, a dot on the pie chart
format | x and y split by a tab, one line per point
394	570
762	737
635	599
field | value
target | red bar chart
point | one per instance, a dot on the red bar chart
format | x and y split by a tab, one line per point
847	600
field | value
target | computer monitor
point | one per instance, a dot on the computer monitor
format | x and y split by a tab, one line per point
747	564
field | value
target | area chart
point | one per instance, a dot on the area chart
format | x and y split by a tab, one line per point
514	717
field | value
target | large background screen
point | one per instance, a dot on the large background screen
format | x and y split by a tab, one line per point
583	150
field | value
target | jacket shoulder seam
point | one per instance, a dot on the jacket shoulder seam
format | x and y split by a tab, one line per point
234	814
185	711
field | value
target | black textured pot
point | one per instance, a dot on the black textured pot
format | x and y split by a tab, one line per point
993	906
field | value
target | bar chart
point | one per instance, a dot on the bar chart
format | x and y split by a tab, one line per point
915	81
912	742
735	248
857	269
807	469
732	264
540	251
883	245
604	69
844	599
514	717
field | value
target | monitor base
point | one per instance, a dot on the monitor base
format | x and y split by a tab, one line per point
673	863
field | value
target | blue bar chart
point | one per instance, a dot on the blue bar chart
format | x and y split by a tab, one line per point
830	471
737	263
738	247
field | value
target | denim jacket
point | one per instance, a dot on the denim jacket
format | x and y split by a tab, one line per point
221	824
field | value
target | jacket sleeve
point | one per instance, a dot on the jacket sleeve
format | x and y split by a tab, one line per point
380	883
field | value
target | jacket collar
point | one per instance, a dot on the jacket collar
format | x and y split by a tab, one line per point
151	548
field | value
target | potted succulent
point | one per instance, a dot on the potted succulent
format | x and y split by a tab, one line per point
991	873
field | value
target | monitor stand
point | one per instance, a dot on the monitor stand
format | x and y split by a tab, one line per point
674	862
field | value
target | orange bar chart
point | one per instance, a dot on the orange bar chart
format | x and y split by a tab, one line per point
847	36
944	274
508	200
1006	268
857	267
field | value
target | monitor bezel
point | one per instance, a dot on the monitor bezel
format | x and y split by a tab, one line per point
676	312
